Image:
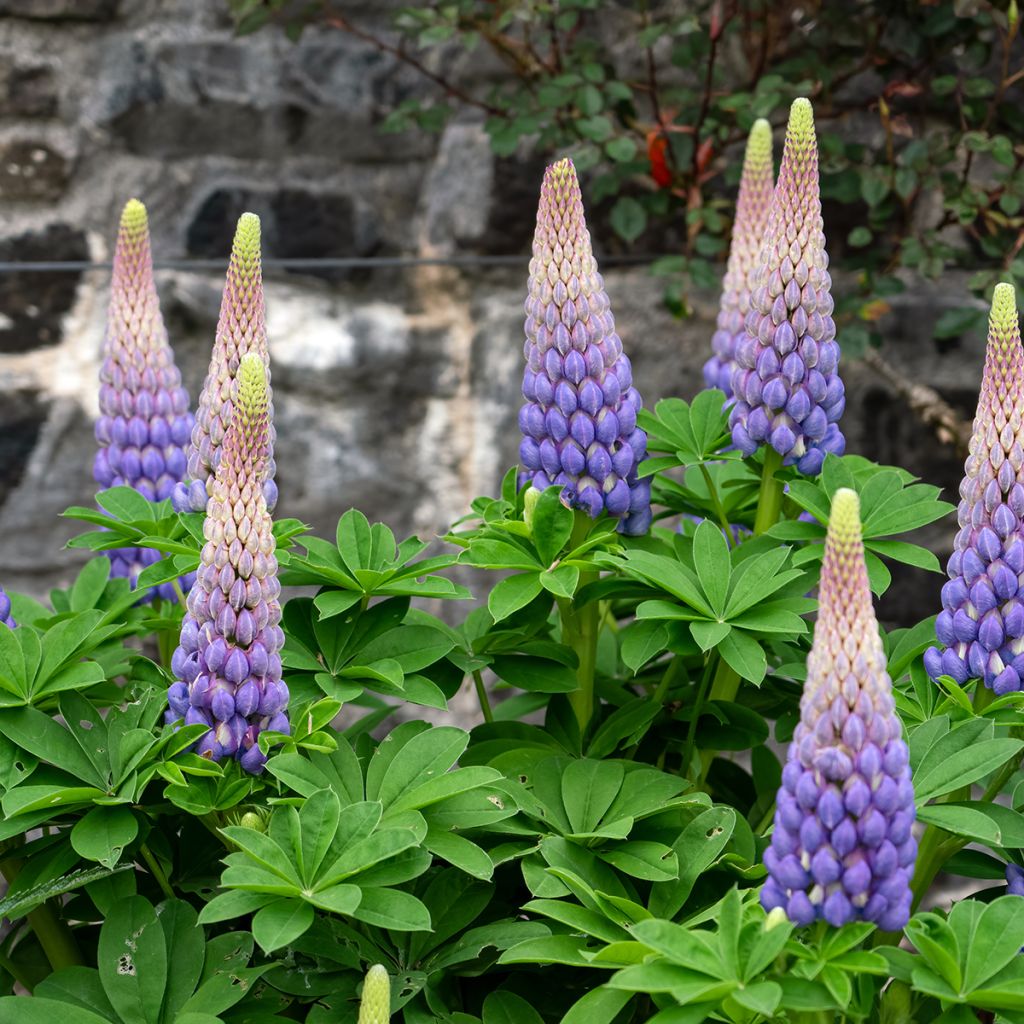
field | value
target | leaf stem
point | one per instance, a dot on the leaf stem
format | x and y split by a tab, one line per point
698	706
481	696
769	500
157	871
16	972
716	500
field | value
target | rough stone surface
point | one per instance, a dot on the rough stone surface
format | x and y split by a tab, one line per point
32	170
27	89
396	389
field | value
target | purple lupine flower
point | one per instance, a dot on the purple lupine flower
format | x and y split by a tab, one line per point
752	206
786	383
1014	880
981	625
5	610
228	663
842	847
579	421
144	421
241	329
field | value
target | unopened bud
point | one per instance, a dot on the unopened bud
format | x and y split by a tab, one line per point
375	1006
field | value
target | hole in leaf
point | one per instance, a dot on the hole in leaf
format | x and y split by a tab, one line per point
85	724
126	965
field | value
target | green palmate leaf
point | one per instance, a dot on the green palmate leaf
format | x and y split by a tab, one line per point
745	655
103	834
280	923
711	557
551	525
46	1011
709	634
992	824
640	642
513	593
186	952
18	903
132	960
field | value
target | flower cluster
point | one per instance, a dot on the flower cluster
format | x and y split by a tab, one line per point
1015	880
228	665
145	422
241	329
579	421
752	206
786	382
981	626
5	610
842	847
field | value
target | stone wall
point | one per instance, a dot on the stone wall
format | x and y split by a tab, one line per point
396	389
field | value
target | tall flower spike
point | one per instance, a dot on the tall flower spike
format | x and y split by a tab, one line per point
579	421
786	383
752	206
5	610
981	626
241	329
375	1006
228	663
842	847
144	420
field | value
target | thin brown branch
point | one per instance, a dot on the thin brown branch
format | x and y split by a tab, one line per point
340	22
925	402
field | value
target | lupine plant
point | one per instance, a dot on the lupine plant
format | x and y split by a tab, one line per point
209	815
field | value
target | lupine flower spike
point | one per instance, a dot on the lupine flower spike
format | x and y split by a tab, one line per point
579	421
228	663
842	847
241	329
786	383
144	421
5	610
981	625
375	1006
752	205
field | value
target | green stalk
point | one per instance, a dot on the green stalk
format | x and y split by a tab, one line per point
769	500
157	871
481	696
579	630
723	519
698	707
54	935
16	973
725	687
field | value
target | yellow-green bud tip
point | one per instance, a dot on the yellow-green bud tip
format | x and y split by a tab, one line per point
801	119
562	171
375	1006
759	143
844	519
133	217
247	236
775	917
1003	316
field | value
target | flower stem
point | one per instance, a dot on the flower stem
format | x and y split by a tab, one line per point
579	630
725	687
769	500
481	696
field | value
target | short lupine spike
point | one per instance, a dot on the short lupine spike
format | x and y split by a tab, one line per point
228	663
579	421
752	206
842	848
145	422
6	618
787	387
375	1005
981	626
241	329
